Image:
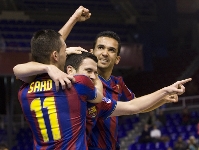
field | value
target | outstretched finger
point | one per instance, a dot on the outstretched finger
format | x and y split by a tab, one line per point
178	83
184	81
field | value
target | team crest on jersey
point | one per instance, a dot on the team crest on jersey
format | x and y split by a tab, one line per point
107	100
92	112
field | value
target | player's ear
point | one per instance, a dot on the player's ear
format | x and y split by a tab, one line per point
54	55
70	70
91	51
117	60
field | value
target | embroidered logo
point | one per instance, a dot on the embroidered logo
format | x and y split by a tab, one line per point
92	112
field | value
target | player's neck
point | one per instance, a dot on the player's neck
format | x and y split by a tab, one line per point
105	73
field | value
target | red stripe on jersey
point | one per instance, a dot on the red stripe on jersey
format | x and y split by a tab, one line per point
113	124
102	134
71	94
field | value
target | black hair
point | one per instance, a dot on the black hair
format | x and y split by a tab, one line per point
109	34
75	60
43	43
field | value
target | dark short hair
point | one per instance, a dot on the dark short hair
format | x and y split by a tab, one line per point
43	43
75	60
109	34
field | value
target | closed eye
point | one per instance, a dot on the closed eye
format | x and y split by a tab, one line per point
89	70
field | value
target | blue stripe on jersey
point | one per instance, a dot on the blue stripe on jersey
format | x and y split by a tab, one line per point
98	111
86	87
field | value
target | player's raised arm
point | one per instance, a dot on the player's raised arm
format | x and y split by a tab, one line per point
140	104
81	14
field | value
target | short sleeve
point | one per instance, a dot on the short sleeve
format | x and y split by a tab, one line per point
85	87
107	107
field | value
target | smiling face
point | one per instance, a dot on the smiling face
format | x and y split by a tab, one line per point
106	50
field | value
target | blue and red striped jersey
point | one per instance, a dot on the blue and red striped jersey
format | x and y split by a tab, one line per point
104	134
57	118
96	111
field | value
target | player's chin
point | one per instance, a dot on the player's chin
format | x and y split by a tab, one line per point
102	66
180	93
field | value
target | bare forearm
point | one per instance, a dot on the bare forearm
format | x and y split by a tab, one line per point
66	29
27	72
155	106
139	104
167	99
29	69
149	101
